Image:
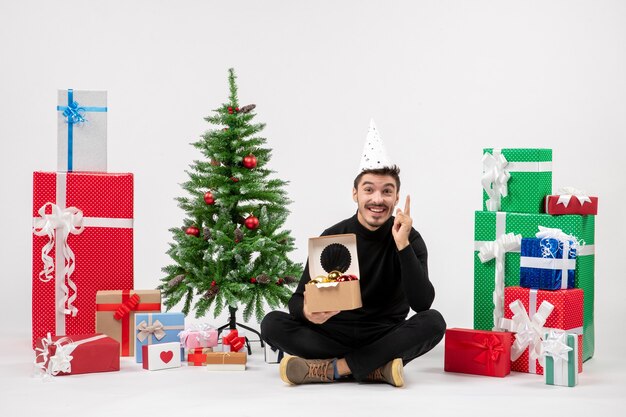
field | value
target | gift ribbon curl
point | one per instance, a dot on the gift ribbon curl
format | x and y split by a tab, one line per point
61	361
495	178
58	226
568	243
497	250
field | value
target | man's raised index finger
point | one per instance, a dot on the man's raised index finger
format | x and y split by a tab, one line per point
407	205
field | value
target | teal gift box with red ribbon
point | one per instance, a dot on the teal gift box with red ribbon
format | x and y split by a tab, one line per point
82	130
478	352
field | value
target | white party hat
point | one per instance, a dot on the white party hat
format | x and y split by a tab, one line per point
374	153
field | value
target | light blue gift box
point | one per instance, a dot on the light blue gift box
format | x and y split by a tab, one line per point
156	328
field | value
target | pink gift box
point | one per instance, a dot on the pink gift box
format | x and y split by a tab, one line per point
202	336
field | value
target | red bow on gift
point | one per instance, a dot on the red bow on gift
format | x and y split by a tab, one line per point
234	340
126	307
490	346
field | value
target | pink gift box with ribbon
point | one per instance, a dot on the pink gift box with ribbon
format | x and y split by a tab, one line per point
531	313
198	336
82	243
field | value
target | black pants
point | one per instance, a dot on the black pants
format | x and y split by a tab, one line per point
364	345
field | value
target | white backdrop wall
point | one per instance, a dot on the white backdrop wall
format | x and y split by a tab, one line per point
442	79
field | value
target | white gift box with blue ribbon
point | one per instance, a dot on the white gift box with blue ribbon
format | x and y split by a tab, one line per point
81	131
548	262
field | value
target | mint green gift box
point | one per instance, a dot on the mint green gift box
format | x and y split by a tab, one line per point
529	173
559	370
490	225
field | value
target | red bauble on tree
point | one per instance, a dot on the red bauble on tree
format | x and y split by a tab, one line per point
234	179
249	161
251	222
280	281
253	280
192	231
208	198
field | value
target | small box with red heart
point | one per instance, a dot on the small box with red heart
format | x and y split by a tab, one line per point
161	356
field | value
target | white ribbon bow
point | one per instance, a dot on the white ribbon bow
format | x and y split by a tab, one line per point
497	249
146	330
57	226
555	345
529	332
495	178
566	242
566	194
61	361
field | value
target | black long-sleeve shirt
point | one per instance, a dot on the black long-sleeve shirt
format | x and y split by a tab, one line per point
391	280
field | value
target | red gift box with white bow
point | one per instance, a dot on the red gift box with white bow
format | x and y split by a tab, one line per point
82	243
571	201
78	354
531	313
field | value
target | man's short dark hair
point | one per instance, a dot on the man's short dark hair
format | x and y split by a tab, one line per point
393	171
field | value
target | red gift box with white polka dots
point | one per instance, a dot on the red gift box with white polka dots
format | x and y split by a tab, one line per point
97	209
567	315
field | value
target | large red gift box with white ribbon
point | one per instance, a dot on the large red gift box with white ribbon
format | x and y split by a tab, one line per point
82	243
567	315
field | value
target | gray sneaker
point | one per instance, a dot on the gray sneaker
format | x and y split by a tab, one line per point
391	373
295	370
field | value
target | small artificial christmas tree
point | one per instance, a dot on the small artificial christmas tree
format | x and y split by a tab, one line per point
231	250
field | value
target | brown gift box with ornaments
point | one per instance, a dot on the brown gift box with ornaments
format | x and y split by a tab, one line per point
334	271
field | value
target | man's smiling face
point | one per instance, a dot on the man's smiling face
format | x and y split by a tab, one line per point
376	196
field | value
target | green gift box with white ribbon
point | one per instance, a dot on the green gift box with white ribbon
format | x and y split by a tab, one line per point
497	235
516	180
560	351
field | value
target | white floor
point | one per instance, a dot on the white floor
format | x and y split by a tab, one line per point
194	391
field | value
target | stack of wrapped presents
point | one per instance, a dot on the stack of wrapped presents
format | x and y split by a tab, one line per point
533	274
86	313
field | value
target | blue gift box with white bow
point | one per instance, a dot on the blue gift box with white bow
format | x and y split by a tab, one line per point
156	328
547	263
